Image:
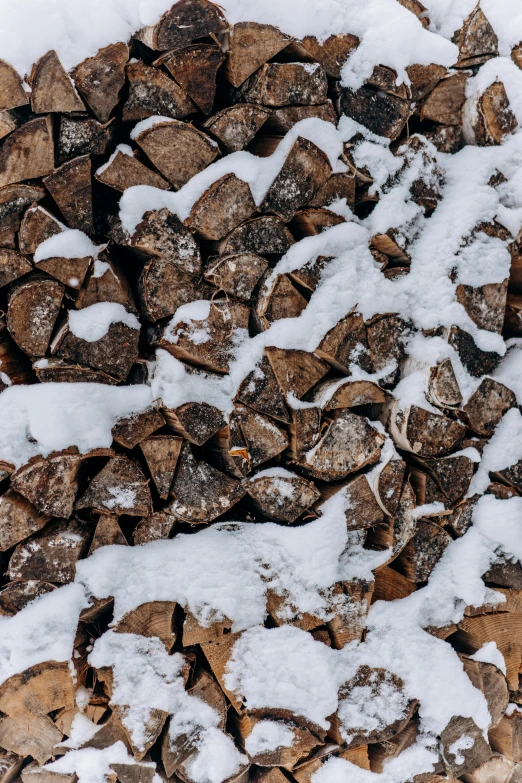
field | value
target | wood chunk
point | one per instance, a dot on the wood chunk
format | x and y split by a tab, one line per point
235	126
133	773
221	208
12	93
488	117
154	618
27	736
82	136
33	772
13	363
513	322
283	118
304	171
476	39
51	88
445	480
476	361
295	371
131	430
15	198
178	150
502	628
12	266
195	69
195	421
50	483
200	493
124	171
260	438
398	529
99	79
10	767
120	488
105	282
305	770
361	508
162	234
164	287
109	733
19	519
332	53
490	680
388	485
445	102
345	344
37	225
312	221
250	46
423	432
70	186
381	112
236	273
335	394
282	497
52	554
443	387
423	78
446	138
286	84
497	769
261	391
153	93
17	595
195	633
349	622
338	186
423	551
107	533
161	454
8	123
185	21
33	308
381	753
303	743
487	405
27	153
153	528
468	756
265	235
280	300
390	585
386	335
217	652
506	736
40	689
57	371
305	431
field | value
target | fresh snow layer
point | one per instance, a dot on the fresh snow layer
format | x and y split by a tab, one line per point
268	735
69	243
93	322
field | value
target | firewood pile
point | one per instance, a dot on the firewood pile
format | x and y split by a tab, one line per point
292	303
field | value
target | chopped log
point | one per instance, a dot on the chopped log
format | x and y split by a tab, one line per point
335	394
476	361
338	186
446	138
15	198
40	689
133	773
496	769
217	652
422	432
332	53
346	345
476	39
153	93
57	371
236	273
283	118
488	117
309	275
381	112
278	299
185	21
295	371
443	388
386	335
349	622
281	495
33	308
444	480
109	733
487	405
153	528
33	773
388	485
52	554
195	633
51	88
222	327
120	488
17	595
303	743
506	736
235	126
423	79
26	736
37	225
19	519
250	46
417	8
28	152
107	533
12	93
12	266
463	746
50	483
195	69
162	234
502	628
361	507
445	102
485	305
312	221
106	282
286	84
266	236
99	79
260	390
69	271
423	551
305	770
221	208
304	171
131	430
513	322
195	421
490	680
154	618
398	530
260	439
381	753
305	431
390	585
123	170
70	187
82	136
178	150
200	493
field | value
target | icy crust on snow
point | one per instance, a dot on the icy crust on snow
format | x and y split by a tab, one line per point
93	322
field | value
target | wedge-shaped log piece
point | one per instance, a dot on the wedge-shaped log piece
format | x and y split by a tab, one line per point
177	150
382	753
57	371
28	152
237	273
154	618
261	391
488	117
444	480
162	234
279	299
195	421
107	533
16	595
309	275
345	344
40	689
303	742
463	746
32	311
266	235
221	208
338	186
235	126
111	731
153	93
217	652
349	443
283	118
506	736
381	112
398	529
99	79
287	84
12	266
69	271
361	508
496	769
50	483
423	432
295	371
476	39
263	439
195	633
123	170
305	770
490	680
70	186
186	20
33	772
423	78
15	198
487	405
10	766
443	387
304	171
27	736
221	327
13	363
120	487
250	46
332	53
504	629
390	585
161	454
305	431
423	551
195	69
485	304
282	495
386	335
82	136
476	361
133	773
37	225
52	554
106	282
331	395
445	102
388	485
18	519
12	93
51	88
131	430
349	622
200	493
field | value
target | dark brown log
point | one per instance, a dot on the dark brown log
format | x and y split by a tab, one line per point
476	361
17	595
40	689
487	405
490	116
397	530
124	171
476	39
485	305
346	345
70	186
57	371
221	208
82	136
51	88
260	390
381	112
250	46
34	737
235	126
423	78
251	440
283	118
445	102
195	68
195	421
282	497
266	235
69	271
237	273
278	300
513	322
12	266
33	308
490	680
468	756
443	387
28	152
361	508
37	225
423	432
309	275
446	138
305	170
162	234
12	93
423	551
106	282
131	430
119	488
153	93
338	186
19	519
286	84
52	554
15	198
332	53
186	20
49	483
295	371
177	150
386	335
161	454
99	79
154	528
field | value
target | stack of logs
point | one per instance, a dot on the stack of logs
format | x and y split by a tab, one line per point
173	470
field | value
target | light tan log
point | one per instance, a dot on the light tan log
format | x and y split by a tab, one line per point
120	488
28	152
51	88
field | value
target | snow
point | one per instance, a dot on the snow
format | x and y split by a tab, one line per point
69	243
217	758
268	735
147	124
462	743
489	653
92	765
502	450
93	322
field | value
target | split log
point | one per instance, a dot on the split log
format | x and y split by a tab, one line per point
444	480
502	628
70	187
10	767
120	488
195	69
37	225
476	361
131	430
15	198
305	431
361	507
50	483
123	170
446	138
346	344
283	118
12	93
463	746
39	690
261	391
332	53
133	773
99	79
195	421
423	551
12	266
506	736
487	405
305	770
82	136
250	440
153	93
312	221
286	84
27	153
164	287
178	150
154	618
445	102
185	21
488	117
26	736
309	275
19	519
69	271
52	554
15	596
195	633
422	432
51	88
266	236
281	495
236	273
278	299
105	282
485	304
423	79
235	126
162	234
107	533
295	371
492	683
381	112
382	753
397	530
335	394
388	485
153	528
476	39
221	208
443	388
33	308
250	46
390	585
349	622
386	335
513	316
496	770
338	186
